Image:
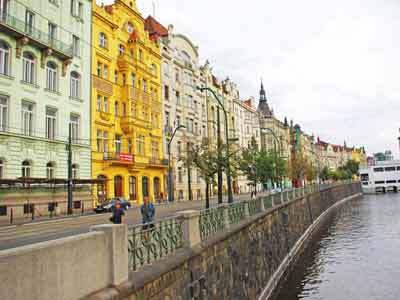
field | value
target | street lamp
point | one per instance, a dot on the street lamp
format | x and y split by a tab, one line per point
279	148
170	185
228	167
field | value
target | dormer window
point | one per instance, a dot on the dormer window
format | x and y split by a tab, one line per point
129	27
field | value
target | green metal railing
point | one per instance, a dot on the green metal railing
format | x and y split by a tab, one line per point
24	28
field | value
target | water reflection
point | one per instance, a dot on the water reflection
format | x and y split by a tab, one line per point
356	256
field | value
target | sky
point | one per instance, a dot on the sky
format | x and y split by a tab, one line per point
333	67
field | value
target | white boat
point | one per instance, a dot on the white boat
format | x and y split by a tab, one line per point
383	176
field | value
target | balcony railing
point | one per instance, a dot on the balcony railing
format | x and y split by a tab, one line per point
120	157
21	27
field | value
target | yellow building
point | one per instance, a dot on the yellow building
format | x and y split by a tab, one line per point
126	105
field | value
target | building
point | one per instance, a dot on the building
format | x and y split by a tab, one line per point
126	105
44	88
184	105
248	128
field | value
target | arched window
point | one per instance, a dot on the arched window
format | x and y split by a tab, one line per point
28	68
75	171
75	85
145	186
4	58
51	76
2	167
121	49
156	188
102	188
26	169
50	169
132	188
102	40
129	27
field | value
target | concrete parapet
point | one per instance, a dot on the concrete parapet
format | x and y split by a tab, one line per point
191	229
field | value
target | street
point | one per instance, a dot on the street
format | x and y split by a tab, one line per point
25	234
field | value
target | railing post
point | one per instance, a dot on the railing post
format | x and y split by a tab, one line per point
262	206
294	193
287	196
190	227
303	190
246	209
227	223
117	242
281	195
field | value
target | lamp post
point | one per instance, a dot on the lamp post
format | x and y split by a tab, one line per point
228	167
279	148
170	185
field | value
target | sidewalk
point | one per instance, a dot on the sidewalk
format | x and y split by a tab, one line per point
40	219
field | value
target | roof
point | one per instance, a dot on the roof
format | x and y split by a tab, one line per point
155	29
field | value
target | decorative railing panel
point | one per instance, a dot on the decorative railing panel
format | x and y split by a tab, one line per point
210	221
236	212
150	242
254	206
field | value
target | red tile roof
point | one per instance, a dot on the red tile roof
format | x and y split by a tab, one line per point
155	29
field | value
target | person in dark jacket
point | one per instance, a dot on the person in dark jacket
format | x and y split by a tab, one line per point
117	214
148	211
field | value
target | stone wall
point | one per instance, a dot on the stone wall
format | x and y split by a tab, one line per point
234	264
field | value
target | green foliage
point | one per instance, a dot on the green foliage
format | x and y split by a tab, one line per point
352	166
326	173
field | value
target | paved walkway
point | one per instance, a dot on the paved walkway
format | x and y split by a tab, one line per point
48	229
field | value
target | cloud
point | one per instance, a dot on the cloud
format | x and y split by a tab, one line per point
331	66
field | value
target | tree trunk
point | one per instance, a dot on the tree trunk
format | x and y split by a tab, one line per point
207	195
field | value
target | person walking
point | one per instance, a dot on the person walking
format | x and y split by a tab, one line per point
117	214
148	211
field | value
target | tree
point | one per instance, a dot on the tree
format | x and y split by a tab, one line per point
310	171
248	162
326	174
206	160
352	166
297	168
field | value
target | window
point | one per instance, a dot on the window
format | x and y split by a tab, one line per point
176	75
80	10
4	58
121	49
26	169
118	143
4	4
179	148
102	40
166	93
379	182
124	109
76	45
27	118
178	121
378	169
98	102
99	140
154	150
28	68
105	104
140	145
74	121
140	55
129	27
51	115
145	186
99	69
52	31
165	68
29	21
130	146
144	85
105	72
123	79
390	169
116	108
166	118
50	170
153	69
133	79
132	188
116	76
3	113
75	171
75	91
105	141
1	168
180	175
29	208
131	53
51	76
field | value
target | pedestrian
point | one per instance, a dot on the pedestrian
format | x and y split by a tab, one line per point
148	211
117	214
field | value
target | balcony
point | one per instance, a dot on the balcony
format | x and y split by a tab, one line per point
129	124
156	107
20	29
102	85
118	158
156	162
105	116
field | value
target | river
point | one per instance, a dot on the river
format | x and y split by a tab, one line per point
356	256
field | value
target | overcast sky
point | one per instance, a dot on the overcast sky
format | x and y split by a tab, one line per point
333	66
